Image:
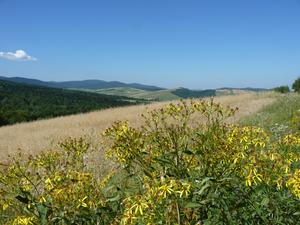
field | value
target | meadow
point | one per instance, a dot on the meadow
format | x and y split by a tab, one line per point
228	160
36	136
149	112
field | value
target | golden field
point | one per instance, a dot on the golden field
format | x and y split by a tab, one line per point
33	137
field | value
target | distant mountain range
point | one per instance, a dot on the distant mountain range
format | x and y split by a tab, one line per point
133	90
84	84
245	89
101	84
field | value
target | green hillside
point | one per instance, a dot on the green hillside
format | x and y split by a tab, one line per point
160	95
128	92
186	93
21	102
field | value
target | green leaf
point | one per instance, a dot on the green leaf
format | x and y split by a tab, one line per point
192	205
202	189
106	189
114	199
42	213
206	179
163	161
265	201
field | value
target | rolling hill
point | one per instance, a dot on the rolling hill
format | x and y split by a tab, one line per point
84	84
159	95
173	94
23	102
133	90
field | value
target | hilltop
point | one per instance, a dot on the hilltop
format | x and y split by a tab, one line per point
173	94
134	90
159	95
84	84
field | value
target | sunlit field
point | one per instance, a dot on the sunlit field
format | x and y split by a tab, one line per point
33	137
230	159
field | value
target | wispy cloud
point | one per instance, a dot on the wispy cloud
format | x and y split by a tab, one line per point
19	55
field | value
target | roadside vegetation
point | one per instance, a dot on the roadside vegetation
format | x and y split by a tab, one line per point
280	118
172	169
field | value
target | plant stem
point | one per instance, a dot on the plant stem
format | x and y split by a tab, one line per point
178	214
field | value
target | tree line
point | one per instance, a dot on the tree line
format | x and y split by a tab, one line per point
286	88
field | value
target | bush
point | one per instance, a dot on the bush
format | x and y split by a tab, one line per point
189	172
282	89
186	165
296	85
55	187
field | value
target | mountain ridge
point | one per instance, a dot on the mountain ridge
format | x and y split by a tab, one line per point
81	84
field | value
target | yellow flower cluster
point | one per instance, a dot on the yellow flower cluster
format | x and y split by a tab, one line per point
294	183
128	143
248	137
155	196
55	182
23	220
172	142
171	170
291	140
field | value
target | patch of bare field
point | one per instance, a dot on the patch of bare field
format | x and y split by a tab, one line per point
33	137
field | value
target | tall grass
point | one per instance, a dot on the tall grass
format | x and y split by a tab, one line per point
278	117
169	170
34	137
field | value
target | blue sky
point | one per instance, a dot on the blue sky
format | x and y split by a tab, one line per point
170	43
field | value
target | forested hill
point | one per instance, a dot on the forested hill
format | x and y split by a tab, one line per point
83	84
21	102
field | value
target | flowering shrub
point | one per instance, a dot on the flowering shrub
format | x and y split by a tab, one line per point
55	187
195	170
185	165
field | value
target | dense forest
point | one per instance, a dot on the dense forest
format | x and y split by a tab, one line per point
21	102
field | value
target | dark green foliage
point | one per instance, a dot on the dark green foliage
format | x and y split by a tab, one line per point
296	85
282	89
20	102
186	93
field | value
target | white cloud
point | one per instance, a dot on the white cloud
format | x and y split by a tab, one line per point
19	55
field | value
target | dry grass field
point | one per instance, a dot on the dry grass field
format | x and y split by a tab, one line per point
33	137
